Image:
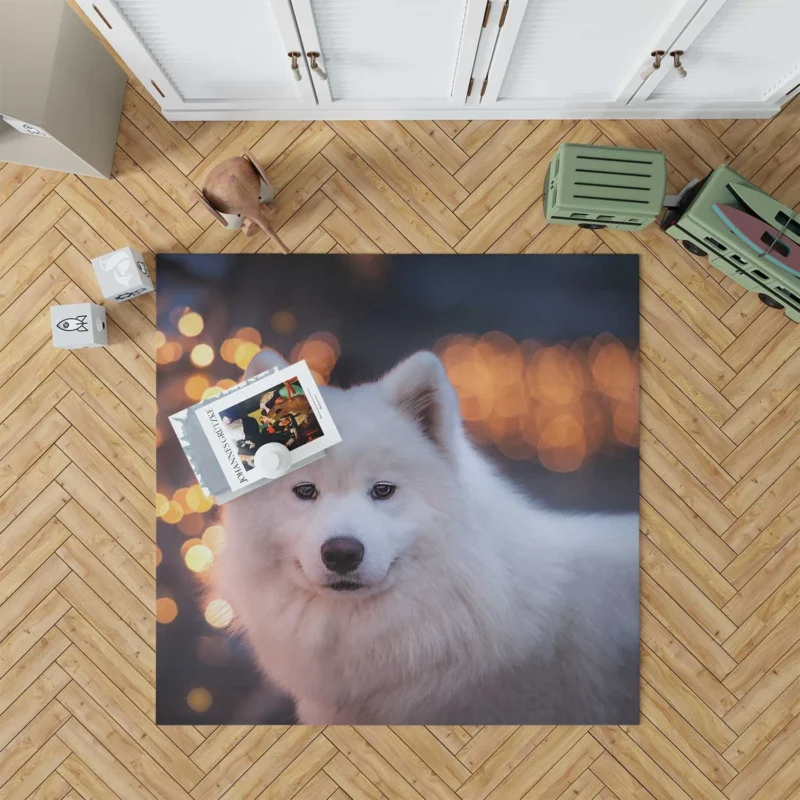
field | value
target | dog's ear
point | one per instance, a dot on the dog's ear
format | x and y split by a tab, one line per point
262	361
419	387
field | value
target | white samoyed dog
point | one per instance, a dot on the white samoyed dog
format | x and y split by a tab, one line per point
401	580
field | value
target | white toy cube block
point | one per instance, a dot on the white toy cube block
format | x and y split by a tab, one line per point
122	274
79	325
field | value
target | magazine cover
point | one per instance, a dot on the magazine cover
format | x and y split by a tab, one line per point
284	407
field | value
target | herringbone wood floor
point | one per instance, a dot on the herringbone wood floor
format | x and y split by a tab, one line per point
720	471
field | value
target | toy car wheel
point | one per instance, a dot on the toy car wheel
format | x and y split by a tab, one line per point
769	301
693	248
592	226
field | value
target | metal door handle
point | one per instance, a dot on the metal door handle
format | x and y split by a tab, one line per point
313	56
676	57
294	55
657	56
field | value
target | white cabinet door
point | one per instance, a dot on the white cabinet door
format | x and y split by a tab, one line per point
208	54
734	51
387	54
559	53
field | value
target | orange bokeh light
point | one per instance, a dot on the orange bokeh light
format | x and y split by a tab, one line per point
555	375
169	352
179	496
614	371
174	513
162	504
199	699
190	324
228	350
166	610
562	444
197	499
626	424
249	335
187	544
560	402
245	351
219	613
198	558
195	386
202	355
320	351
214	538
191	525
283	322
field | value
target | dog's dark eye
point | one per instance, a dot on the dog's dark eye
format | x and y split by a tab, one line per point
382	490
305	491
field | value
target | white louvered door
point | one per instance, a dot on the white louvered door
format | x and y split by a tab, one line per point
578	52
744	50
447	59
207	53
390	53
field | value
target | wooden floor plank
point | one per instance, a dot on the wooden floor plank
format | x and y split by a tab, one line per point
32	720
775	563
111	518
12	176
30	230
758	443
376	165
18	279
426	168
152	197
437	143
147	119
32	192
699	751
499	182
476	133
153	162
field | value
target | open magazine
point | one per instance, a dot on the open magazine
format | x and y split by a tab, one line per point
222	436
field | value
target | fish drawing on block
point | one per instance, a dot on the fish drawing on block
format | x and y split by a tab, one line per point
77	324
763	238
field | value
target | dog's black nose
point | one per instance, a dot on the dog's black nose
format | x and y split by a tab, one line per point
342	554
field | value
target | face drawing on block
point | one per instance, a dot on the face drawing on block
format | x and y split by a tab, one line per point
122	267
77	324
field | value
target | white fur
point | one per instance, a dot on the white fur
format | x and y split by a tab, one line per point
478	606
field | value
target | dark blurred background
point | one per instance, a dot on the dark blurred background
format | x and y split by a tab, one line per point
542	350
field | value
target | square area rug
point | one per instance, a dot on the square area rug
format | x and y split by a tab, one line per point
468	553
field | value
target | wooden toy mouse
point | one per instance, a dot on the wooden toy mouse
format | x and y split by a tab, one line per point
233	188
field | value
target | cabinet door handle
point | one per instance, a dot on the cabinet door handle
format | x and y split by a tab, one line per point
313	56
657	56
676	58
294	55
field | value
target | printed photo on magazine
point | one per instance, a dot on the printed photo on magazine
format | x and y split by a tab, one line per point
283	407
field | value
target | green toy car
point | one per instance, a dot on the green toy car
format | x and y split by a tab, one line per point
592	186
701	230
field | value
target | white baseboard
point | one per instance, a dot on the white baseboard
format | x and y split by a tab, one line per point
648	111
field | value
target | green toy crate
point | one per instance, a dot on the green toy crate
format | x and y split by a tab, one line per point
605	187
702	232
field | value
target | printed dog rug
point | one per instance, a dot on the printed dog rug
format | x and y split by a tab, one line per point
466	554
